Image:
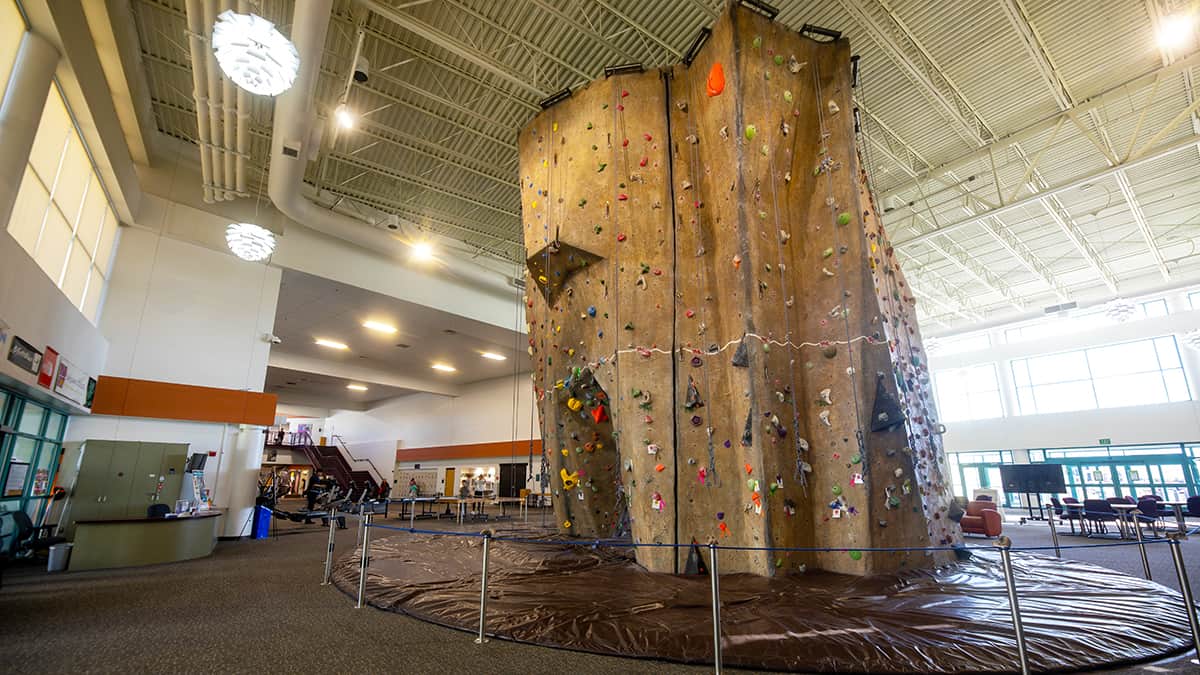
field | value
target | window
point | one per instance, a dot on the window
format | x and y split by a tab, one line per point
1154	308
12	28
968	393
959	344
1194	299
62	216
1045	328
1126	374
30	452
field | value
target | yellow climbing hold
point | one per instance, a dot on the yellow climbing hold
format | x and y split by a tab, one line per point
569	480
574	404
567	524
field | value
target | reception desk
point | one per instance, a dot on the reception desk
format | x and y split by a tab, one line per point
128	542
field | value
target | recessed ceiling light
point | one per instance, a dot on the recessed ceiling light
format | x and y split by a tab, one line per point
493	356
422	251
1176	31
332	344
380	327
444	368
356	387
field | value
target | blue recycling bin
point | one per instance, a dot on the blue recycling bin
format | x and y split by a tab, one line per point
261	527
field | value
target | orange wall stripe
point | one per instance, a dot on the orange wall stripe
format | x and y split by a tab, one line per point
170	401
499	449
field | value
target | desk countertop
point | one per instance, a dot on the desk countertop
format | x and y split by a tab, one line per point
115	521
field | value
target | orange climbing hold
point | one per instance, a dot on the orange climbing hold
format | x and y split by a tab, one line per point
716	80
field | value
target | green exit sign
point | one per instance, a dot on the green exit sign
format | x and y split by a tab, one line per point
1105	441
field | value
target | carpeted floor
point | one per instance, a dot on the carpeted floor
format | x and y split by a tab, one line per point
259	606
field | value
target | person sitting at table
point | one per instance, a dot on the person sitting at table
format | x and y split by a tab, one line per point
464	490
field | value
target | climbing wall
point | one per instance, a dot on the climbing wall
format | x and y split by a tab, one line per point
724	345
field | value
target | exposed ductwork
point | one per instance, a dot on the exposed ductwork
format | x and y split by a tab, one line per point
221	108
290	137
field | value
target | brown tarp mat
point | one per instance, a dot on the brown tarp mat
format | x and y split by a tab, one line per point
950	620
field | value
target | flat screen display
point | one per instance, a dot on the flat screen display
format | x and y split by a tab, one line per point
1033	478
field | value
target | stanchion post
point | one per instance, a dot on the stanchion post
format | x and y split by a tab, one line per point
1137	528
365	525
1053	529
412	514
1185	588
329	551
714	577
487	538
1005	544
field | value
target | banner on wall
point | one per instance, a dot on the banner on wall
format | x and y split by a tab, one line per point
91	392
71	383
49	365
24	355
41	483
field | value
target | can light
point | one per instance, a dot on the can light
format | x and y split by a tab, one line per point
331	344
249	241
344	117
422	251
1176	31
356	387
254	54
444	368
492	356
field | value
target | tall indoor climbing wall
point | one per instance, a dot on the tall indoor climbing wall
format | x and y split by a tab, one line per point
724	345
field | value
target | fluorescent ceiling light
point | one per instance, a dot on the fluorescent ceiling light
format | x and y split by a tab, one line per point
444	368
422	250
332	344
356	387
344	117
380	327
1176	31
249	241
253	54
493	356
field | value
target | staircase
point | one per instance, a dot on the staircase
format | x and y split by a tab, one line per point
337	462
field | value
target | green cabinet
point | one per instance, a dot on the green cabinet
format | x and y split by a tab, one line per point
122	479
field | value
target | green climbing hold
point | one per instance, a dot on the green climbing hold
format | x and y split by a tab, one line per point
589	125
856	555
787	95
751	132
856	459
597	229
582	202
629	326
779	59
602	167
844	218
827	252
836	490
757	41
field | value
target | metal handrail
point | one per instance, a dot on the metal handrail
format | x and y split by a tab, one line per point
343	445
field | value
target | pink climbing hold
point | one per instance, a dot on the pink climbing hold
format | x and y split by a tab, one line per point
622	197
621	236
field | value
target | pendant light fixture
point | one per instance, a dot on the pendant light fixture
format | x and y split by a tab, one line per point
253	54
249	241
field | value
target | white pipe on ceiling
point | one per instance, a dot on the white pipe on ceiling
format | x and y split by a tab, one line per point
294	119
242	133
198	46
228	106
214	102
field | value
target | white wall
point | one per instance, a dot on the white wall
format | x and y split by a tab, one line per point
182	313
37	311
483	414
1168	422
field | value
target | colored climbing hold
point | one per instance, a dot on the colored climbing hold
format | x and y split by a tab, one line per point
716	80
569	480
843	218
659	467
836	490
751	132
599	414
779	59
574	404
856	555
591	310
621	237
567	524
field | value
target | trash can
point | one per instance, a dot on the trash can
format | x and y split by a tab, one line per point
60	555
261	528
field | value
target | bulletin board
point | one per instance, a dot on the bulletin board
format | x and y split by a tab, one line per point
427	481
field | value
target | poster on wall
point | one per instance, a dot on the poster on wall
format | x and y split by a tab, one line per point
49	365
24	355
71	383
15	485
91	392
41	483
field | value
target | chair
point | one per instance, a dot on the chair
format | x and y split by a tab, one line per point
1098	512
157	511
1120	500
1154	497
1064	513
982	518
24	539
1193	507
1152	515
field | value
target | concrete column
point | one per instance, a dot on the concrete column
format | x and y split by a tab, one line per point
21	112
239	479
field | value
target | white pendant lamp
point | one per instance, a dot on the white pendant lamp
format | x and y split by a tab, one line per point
252	53
249	241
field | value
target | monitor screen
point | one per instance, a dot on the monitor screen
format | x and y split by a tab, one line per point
1033	478
196	462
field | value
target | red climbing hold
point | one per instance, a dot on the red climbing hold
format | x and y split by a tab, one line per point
599	414
716	80
622	197
621	237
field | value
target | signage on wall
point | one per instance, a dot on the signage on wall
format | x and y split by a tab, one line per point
41	483
1105	441
91	392
70	382
14	486
24	355
49	366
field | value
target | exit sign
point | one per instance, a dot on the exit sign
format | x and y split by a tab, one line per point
1105	441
